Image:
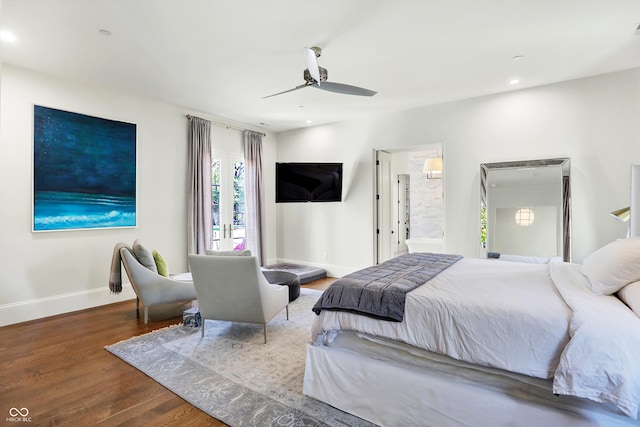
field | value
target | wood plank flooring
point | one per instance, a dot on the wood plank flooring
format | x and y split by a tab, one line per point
57	368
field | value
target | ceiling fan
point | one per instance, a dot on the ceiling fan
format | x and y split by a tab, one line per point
316	76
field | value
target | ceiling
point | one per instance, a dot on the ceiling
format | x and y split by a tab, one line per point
221	57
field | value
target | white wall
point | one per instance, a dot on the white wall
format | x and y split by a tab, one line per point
543	237
539	239
48	273
338	235
593	121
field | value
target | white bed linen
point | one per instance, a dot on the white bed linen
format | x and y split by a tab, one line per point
602	360
506	315
541	320
402	386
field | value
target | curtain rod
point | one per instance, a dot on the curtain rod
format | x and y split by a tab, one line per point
189	116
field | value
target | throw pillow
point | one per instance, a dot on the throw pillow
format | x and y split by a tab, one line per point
613	266
144	255
161	264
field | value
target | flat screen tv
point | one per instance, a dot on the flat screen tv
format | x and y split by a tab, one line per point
308	182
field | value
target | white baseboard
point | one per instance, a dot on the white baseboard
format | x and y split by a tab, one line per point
24	311
38	308
332	270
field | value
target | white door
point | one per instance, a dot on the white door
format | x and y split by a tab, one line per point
228	203
385	229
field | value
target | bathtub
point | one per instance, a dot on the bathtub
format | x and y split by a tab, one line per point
425	244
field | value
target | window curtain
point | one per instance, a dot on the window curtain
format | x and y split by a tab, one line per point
254	194
199	215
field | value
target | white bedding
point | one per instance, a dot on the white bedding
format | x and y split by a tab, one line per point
532	319
491	313
602	360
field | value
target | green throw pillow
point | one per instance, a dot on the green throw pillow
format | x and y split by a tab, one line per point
161	264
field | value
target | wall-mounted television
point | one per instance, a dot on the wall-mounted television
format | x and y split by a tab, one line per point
308	182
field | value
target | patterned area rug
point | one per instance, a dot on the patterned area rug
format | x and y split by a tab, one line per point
232	375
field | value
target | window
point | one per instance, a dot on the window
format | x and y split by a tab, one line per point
228	201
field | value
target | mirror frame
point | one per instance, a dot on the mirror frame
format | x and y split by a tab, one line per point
565	163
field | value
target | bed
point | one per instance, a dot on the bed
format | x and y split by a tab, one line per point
489	342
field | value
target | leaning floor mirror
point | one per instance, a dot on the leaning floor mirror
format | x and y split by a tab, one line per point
526	210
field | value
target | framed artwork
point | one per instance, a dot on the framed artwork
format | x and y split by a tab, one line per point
84	171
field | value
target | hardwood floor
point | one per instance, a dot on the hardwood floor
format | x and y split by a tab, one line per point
57	368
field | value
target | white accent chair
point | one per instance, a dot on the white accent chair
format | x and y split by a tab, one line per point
233	289
152	288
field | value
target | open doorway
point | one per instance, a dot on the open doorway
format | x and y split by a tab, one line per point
409	214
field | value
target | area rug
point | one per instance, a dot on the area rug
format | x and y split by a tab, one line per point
232	375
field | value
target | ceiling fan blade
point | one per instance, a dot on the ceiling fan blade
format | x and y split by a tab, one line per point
286	91
312	64
346	89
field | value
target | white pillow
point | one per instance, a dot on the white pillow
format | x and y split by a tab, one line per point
630	295
613	266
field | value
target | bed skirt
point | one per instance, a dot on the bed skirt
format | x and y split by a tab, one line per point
360	378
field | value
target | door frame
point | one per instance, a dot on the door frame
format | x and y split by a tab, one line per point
377	198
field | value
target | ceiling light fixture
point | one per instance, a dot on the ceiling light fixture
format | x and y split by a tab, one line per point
105	32
518	57
7	36
309	121
514	81
524	217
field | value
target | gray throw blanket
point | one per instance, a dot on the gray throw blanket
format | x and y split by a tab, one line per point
115	274
379	291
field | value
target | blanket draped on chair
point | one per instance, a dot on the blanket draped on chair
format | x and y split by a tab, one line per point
115	274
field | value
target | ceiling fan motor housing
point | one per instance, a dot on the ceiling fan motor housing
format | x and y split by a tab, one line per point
309	79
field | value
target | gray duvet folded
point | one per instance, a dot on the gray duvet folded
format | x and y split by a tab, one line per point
379	291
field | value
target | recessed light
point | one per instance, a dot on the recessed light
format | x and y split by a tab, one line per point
7	36
518	57
309	121
514	81
105	32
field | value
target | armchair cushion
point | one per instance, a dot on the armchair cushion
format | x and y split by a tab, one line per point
144	255
161	264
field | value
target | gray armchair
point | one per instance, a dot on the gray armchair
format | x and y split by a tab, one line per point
151	288
233	289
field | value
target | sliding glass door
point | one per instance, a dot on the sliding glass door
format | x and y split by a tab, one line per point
228	202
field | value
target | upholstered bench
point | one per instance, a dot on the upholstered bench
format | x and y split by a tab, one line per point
304	272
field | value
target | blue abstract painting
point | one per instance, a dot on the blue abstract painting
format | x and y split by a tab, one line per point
84	171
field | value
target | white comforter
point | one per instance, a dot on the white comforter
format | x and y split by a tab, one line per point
540	320
601	362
